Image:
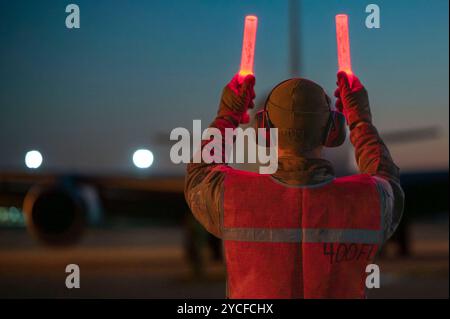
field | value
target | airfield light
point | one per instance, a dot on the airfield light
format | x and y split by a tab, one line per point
248	46
143	158
343	45
33	159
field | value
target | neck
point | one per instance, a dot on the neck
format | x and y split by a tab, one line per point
296	170
310	154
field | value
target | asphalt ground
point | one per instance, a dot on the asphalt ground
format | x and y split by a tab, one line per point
150	262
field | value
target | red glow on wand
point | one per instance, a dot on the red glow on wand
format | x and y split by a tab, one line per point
343	44
248	46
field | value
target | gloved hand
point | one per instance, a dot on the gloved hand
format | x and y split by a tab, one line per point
352	100
237	98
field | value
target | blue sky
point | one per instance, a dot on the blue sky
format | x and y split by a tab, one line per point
87	98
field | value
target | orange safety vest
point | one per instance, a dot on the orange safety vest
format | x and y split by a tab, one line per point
299	242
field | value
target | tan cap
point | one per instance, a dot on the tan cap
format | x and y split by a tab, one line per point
300	109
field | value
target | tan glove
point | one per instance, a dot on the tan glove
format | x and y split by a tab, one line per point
237	98
352	100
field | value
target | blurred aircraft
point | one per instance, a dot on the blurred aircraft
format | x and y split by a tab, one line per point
57	207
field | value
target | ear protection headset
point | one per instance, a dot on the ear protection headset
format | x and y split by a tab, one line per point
334	133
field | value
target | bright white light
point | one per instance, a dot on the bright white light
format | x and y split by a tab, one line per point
143	158
33	159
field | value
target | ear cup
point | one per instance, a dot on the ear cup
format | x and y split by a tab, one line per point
336	132
262	122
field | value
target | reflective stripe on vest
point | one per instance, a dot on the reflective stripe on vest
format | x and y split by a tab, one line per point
298	235
285	242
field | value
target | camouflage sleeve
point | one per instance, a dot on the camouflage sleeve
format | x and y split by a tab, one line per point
390	214
372	155
204	183
373	158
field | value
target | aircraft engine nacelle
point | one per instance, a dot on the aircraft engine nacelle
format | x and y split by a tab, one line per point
57	215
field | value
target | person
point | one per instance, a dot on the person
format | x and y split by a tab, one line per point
300	232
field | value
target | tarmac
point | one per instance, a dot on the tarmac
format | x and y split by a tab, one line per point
150	262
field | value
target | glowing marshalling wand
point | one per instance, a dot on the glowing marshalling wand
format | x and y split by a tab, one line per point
248	46
343	46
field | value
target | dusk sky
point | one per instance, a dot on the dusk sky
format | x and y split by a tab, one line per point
87	98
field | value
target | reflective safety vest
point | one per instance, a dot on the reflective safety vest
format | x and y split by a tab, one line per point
299	242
